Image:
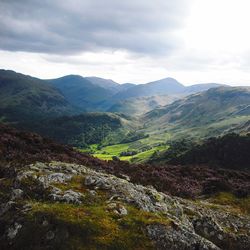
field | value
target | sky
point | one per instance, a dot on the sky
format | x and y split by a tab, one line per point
137	41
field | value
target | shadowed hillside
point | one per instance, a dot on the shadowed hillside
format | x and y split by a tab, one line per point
23	98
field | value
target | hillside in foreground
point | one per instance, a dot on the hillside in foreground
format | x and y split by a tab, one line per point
61	197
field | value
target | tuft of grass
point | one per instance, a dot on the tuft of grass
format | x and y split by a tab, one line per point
240	205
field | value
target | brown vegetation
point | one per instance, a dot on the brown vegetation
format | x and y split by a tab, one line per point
19	147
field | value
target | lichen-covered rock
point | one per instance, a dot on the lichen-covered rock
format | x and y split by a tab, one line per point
76	192
168	237
68	196
54	178
117	208
209	229
13	230
16	194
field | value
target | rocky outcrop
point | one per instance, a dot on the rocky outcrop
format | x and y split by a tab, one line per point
76	193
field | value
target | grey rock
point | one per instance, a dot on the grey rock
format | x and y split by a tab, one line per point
16	194
13	230
117	208
92	192
68	196
98	182
45	223
167	237
194	225
24	175
6	207
50	235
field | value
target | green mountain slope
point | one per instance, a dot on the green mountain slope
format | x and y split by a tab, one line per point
228	151
141	105
81	92
109	84
85	129
23	97
216	109
165	86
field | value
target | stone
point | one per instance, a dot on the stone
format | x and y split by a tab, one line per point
6	207
68	196
13	231
98	182
167	237
50	235
122	210
117	208
192	225
92	192
71	196
16	194
220	237
45	223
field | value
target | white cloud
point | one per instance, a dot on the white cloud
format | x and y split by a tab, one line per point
132	41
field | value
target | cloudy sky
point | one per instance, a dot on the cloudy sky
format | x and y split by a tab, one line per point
135	41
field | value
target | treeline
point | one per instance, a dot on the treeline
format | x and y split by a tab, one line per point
228	151
78	131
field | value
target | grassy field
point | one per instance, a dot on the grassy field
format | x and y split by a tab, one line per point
106	153
158	139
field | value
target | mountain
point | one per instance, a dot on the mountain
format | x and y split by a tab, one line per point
81	92
68	200
109	84
216	110
141	105
201	87
104	83
85	129
165	86
24	97
212	105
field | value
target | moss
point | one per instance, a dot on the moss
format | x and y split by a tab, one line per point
5	189
33	189
191	213
76	184
86	227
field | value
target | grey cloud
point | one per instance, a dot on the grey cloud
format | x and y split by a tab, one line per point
72	26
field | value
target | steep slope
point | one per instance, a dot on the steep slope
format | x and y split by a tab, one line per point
217	110
139	99
230	151
109	84
81	92
104	83
23	97
141	105
201	87
165	86
86	129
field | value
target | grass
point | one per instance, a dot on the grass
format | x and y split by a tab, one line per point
106	153
88	226
239	205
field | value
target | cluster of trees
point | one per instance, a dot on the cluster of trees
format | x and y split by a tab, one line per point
228	151
134	136
81	130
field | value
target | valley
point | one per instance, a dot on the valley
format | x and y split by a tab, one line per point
86	159
124	125
122	121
